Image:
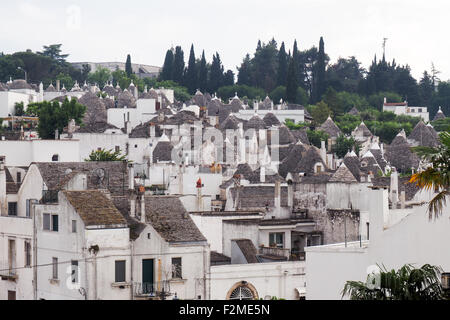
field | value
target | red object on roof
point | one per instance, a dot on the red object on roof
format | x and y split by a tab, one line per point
199	183
395	104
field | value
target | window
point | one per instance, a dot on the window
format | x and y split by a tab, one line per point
367	225
319	169
117	148
12	208
276	240
28	208
19	177
176	268
50	222
420	110
74	226
120	271
74	274
55	268
27	254
55	158
12	256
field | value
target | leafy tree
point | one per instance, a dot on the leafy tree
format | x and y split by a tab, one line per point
319	112
278	93
407	283
178	65
347	123
18	109
426	88
9	67
101	76
436	177
264	66
344	145
245	73
441	98
65	80
191	73
228	79
227	92
53	51
85	70
167	69
316	136
216	78
106	155
128	67
441	125
283	61
203	74
345	74
53	115
376	100
292	84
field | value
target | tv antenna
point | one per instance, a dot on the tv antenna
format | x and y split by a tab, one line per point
384	46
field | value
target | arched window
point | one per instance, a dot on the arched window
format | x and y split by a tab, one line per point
242	291
55	158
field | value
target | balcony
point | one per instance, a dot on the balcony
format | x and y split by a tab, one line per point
152	291
274	252
8	272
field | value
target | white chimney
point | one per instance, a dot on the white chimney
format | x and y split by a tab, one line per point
262	174
277	197
131	176
152	131
3	202
323	152
58	85
394	188
143	208
290	194
133	206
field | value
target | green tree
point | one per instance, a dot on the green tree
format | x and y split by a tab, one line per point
278	93
345	74
66	80
436	177
245	72
203	74
319	112
191	73
178	65
344	145
101	76
53	115
167	69
18	109
319	74
282	66
407	283
128	67
316	137
292	84
106	155
53	51
216	78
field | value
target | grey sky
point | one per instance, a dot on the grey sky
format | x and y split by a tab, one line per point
109	30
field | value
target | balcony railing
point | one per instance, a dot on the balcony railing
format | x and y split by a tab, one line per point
158	290
7	272
273	251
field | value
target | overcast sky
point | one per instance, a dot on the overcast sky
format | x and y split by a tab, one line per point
100	30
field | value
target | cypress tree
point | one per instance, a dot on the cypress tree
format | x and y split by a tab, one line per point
191	73
128	68
292	82
228	78
178	65
320	72
282	66
216	76
203	74
167	69
245	72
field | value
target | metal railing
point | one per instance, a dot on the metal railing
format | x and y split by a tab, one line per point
159	289
273	251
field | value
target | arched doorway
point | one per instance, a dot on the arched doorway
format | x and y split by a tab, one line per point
242	291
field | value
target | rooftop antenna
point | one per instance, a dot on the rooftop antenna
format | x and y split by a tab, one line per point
384	46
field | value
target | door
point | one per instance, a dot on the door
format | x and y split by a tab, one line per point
11	295
147	275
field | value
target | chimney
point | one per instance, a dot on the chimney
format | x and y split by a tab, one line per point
402	199
3	202
143	208
199	199
127	123
394	188
277	197
385	100
58	85
152	131
290	194
378	212
133	206
131	176
323	152
262	174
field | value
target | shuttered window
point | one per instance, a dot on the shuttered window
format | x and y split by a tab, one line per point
120	271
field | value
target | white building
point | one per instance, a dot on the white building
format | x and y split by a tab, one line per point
402	108
396	237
